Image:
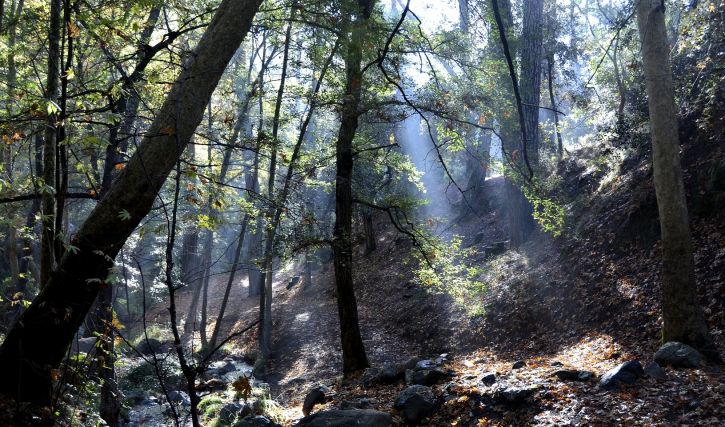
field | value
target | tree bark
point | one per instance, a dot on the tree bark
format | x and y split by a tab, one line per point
47	252
38	341
531	48
354	358
683	317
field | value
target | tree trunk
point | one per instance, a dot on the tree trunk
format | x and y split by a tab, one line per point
265	307
47	253
531	48
230	283
38	341
683	317
552	100
354	358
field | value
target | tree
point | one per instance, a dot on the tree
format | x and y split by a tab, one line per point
683	317
531	47
37	343
353	351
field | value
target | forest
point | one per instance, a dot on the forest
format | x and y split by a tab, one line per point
382	213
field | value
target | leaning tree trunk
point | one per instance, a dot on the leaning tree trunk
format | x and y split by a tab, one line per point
38	342
353	351
682	314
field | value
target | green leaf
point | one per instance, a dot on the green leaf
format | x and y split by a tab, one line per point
123	215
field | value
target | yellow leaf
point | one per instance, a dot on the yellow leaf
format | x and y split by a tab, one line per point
73	30
120	166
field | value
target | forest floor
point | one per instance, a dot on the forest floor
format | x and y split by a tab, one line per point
587	301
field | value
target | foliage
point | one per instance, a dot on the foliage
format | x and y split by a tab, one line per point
453	272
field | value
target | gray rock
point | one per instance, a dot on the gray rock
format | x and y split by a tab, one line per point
678	355
258	421
218	369
573	375
317	394
346	418
84	345
179	397
229	412
625	373
654	370
415	403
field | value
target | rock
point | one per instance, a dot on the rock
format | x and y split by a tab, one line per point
410	364
179	397
513	395
625	373
654	370
345	418
293	282
425	364
488	378
229	412
220	368
84	345
573	375
678	355
441	359
212	384
134	396
426	376
391	374
415	403
317	394
518	364
151	346
371	376
252	421
557	364
361	403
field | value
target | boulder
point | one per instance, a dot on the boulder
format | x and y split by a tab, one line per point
220	368
573	375
317	394
345	418
229	412
415	403
678	355
84	345
654	370
625	373
151	346
180	398
426	377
